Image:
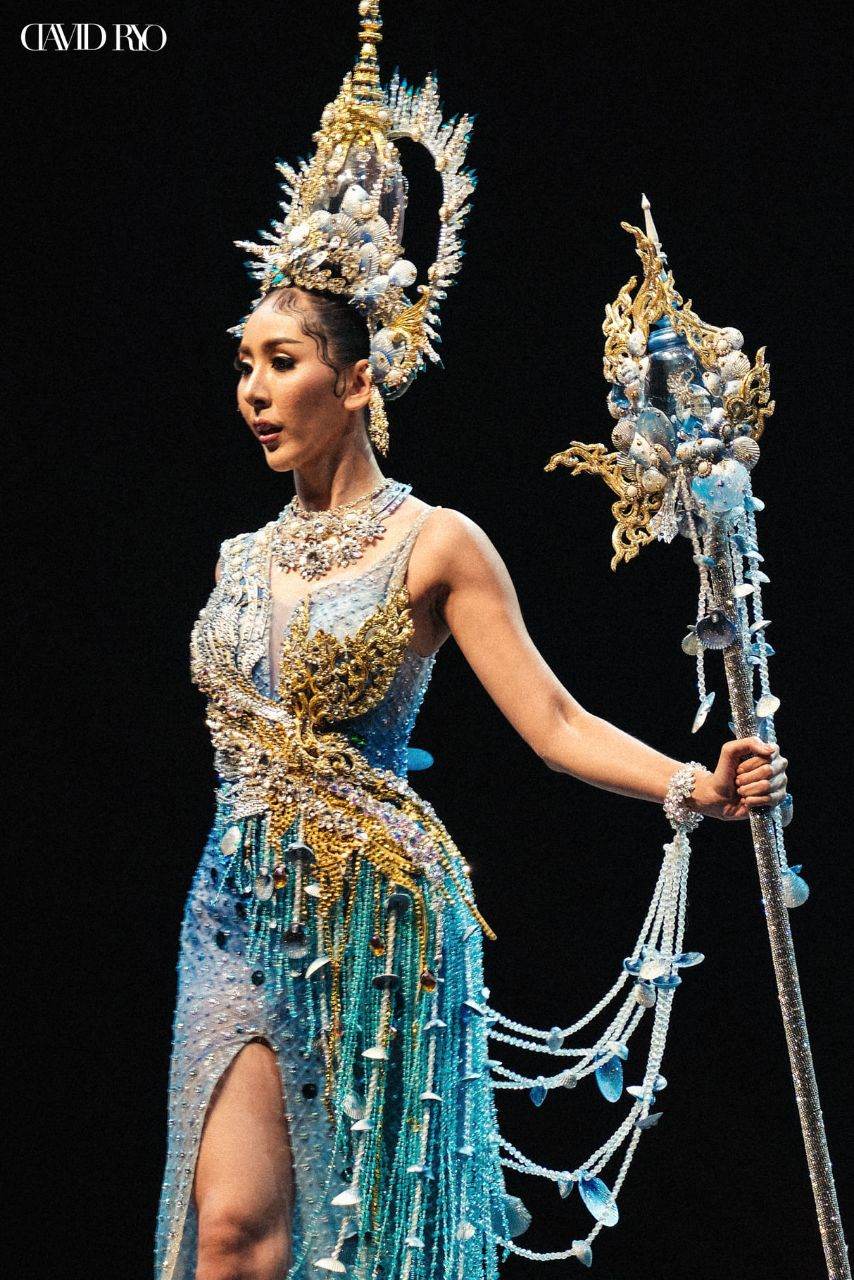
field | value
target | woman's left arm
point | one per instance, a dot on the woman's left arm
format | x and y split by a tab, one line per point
478	603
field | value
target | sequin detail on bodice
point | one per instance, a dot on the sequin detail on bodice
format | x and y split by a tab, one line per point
242	610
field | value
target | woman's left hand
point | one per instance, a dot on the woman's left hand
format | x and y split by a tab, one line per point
751	774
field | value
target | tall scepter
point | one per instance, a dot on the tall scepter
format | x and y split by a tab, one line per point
690	409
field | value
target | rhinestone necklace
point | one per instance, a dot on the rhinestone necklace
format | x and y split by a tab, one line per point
313	542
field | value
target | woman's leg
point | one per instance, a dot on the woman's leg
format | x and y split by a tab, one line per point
243	1187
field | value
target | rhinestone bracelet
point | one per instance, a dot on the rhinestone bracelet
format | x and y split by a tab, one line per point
679	789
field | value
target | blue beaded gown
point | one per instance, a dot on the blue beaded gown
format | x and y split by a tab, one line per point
331	916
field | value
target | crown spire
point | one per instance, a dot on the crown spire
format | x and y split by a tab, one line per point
649	225
366	75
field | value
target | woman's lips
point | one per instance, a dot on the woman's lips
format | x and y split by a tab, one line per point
266	432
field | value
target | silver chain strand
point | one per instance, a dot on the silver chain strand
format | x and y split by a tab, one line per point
662	933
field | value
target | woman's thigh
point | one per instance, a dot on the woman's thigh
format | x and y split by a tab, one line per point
244	1170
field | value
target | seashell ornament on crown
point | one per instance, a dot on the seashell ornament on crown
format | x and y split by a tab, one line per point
343	214
690	408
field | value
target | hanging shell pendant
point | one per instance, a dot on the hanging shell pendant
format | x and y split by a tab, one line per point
353	1107
716	630
295	943
538	1094
582	1251
795	888
609	1078
648	1122
346	1198
299	852
703	711
231	841
691	644
263	885
645	994
767	705
598	1199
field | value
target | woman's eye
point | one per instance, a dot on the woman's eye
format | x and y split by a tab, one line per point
278	362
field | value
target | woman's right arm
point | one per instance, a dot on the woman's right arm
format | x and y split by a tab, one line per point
481	609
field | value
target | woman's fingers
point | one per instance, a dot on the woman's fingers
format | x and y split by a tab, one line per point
754	775
763	787
770	755
739	747
757	772
775	769
761	794
761	802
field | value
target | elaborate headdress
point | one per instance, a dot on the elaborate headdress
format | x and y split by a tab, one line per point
343	217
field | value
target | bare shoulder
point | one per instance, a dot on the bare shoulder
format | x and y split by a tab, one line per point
454	544
451	530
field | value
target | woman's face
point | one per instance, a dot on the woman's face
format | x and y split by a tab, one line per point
286	394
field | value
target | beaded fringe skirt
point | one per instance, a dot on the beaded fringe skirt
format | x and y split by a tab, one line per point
396	1151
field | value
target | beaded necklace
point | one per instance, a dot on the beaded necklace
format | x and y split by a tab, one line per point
313	542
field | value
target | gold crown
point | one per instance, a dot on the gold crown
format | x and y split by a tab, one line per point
341	232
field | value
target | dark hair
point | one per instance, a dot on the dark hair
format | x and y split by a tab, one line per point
340	333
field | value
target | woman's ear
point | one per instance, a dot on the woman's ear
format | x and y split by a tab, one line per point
358	386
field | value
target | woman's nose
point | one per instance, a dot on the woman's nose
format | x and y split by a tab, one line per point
255	390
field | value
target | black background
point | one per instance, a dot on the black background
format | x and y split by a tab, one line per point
132	174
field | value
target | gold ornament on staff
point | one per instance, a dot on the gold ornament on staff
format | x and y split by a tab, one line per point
690	409
628	320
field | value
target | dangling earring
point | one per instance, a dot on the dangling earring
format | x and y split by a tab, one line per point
378	422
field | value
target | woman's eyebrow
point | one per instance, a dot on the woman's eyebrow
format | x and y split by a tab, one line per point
272	342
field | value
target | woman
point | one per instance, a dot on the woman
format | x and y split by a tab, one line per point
303	392
331	1107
